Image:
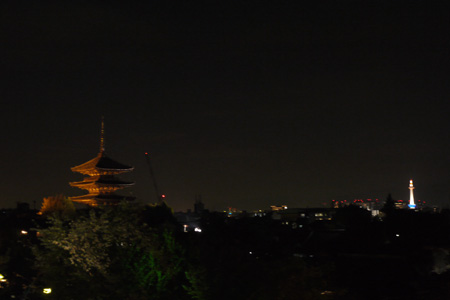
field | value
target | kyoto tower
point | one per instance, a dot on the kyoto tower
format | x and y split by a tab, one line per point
411	205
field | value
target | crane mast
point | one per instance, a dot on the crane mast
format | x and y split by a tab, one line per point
153	178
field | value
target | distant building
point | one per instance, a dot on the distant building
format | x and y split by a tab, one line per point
233	212
278	207
199	206
400	204
371	204
101	182
299	217
419	205
258	213
191	220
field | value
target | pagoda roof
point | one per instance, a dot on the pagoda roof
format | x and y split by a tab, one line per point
100	180
98	199
101	163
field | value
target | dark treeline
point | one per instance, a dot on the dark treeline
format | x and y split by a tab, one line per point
141	252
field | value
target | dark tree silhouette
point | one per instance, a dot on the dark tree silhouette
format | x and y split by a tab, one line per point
389	205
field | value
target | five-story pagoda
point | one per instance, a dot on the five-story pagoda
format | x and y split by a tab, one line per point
101	182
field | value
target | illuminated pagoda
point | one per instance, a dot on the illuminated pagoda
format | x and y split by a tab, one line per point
101	182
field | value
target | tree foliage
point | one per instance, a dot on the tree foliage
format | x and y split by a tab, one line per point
111	254
59	205
389	205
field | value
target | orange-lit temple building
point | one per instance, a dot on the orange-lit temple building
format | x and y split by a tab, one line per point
101	181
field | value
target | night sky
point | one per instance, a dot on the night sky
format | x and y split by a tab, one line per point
248	103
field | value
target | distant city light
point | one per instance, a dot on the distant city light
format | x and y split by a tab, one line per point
163	196
47	291
24	232
278	207
327	293
197	229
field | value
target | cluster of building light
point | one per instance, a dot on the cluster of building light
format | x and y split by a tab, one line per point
373	204
186	227
278	207
4	280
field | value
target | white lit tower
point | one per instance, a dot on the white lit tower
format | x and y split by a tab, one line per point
411	205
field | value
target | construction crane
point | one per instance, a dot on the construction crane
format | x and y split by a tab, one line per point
159	196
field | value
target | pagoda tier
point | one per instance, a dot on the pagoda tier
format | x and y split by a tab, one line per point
101	182
102	165
101	199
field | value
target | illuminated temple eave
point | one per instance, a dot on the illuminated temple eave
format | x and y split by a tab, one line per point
82	184
89	165
100	190
101	165
96	199
101	171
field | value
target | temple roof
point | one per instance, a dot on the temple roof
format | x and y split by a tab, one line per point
102	180
100	164
95	199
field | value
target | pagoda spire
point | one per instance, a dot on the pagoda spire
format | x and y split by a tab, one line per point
101	181
102	136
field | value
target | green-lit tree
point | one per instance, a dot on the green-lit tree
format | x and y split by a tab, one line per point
111	254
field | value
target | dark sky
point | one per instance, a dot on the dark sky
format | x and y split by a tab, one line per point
248	103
